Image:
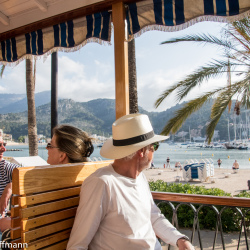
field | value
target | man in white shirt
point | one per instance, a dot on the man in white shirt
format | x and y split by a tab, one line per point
116	209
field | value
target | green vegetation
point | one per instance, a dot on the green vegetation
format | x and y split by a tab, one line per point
207	216
21	139
97	116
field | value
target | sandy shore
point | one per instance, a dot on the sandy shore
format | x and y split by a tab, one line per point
232	184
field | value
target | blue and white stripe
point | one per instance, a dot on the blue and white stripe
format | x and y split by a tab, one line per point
171	15
6	169
70	35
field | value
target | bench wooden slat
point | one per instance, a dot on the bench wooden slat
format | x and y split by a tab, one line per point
46	219
49	196
53	177
14	200
49	207
46	230
15	222
15	212
48	240
15	233
59	246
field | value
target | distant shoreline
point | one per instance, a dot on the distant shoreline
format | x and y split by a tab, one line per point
12	143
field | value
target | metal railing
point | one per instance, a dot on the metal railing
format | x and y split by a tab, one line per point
240	206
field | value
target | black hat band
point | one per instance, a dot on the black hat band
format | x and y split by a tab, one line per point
134	140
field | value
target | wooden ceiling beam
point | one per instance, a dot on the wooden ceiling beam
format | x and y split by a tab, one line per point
41	5
4	19
70	15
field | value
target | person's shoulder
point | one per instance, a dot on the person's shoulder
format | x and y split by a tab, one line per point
98	179
101	173
11	165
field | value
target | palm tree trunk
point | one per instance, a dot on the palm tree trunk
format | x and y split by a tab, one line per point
133	98
30	89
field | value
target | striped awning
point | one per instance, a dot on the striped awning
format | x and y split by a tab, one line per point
67	36
173	15
165	15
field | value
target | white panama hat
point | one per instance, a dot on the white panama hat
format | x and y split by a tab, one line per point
130	133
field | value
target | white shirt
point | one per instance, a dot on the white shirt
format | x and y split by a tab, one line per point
117	212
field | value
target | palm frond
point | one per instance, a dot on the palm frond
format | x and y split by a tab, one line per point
174	124
219	106
2	70
201	38
166	93
236	53
184	87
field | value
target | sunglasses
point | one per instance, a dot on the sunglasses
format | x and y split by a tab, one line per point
3	144
50	146
155	146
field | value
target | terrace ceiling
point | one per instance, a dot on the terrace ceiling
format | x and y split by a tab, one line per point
23	16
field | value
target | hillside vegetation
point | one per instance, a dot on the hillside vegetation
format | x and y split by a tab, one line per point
97	116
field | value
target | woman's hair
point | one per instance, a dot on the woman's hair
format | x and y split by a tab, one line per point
74	142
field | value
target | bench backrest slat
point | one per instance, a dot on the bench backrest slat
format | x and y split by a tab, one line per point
58	246
29	180
48	196
49	240
47	219
47	230
49	207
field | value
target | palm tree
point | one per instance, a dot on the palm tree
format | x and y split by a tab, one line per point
236	54
30	89
133	99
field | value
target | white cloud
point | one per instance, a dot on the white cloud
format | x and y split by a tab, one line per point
78	84
153	84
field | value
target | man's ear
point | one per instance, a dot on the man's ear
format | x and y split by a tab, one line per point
63	157
142	152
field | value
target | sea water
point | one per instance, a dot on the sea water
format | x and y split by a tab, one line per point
174	152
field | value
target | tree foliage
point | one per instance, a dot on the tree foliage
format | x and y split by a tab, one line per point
235	59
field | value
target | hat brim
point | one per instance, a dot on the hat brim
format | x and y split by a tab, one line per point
110	151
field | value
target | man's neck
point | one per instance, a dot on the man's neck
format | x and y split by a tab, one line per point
128	168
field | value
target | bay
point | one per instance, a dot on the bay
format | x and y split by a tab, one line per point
174	152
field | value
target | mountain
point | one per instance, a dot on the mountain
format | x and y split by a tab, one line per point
8	99
14	103
97	116
94	117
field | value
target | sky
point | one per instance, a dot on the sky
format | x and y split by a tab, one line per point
89	73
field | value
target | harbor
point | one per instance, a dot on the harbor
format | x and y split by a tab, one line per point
233	184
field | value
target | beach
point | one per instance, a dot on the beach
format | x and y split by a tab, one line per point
234	183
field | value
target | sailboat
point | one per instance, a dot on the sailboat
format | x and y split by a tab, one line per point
99	145
236	144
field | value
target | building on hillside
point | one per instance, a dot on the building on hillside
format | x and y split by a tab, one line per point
199	139
7	137
40	138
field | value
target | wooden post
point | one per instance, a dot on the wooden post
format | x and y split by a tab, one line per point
121	60
54	91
